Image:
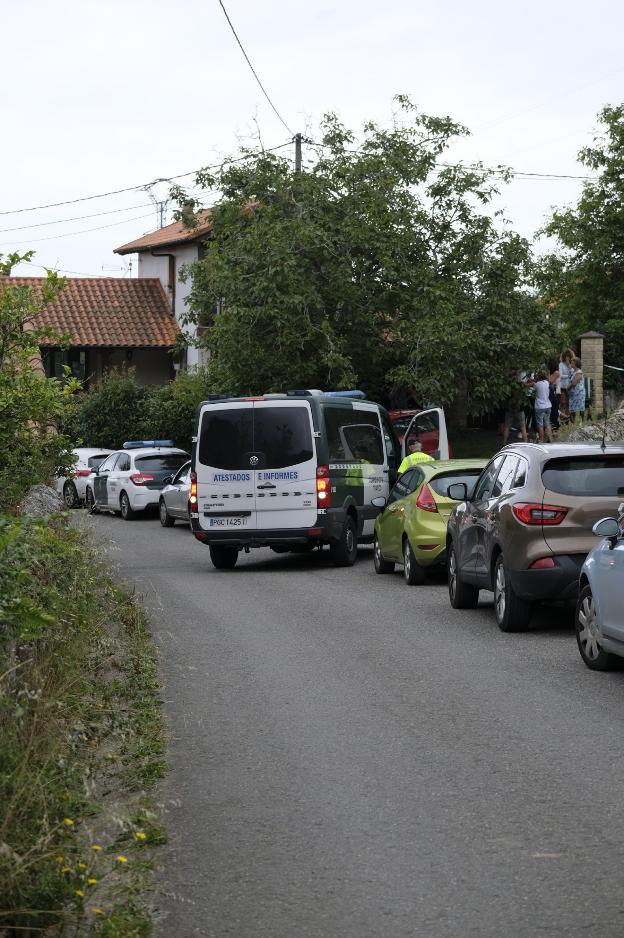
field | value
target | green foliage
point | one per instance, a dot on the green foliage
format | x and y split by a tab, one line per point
377	267
30	405
583	280
119	409
79	713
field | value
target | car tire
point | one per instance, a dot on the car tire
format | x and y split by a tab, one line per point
165	518
381	565
127	512
461	594
512	613
90	502
70	495
586	628
223	558
413	573
344	551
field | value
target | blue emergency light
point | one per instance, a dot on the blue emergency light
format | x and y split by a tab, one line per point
139	444
344	394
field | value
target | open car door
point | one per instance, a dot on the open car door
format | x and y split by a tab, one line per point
429	429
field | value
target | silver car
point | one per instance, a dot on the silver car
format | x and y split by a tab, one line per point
174	498
600	608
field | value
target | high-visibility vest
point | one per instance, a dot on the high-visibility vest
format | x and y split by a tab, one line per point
413	459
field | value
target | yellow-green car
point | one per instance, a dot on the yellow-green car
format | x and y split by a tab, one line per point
411	530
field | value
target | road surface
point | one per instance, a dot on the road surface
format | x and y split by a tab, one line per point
352	758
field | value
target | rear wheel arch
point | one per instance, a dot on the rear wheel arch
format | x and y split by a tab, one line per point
496	552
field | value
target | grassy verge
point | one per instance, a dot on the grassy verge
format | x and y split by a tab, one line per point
81	740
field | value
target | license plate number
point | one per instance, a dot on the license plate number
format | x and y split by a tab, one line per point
228	522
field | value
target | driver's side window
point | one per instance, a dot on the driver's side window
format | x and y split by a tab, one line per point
485	484
402	487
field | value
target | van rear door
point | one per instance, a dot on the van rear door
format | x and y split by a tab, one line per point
224	465
429	429
285	478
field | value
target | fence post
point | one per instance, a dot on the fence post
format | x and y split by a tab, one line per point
592	357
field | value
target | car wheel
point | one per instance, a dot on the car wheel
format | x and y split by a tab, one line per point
223	558
412	571
588	635
461	594
381	565
127	512
70	495
90	500
165	518
512	613
344	551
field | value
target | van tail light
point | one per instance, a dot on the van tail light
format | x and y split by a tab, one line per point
82	473
536	513
193	495
323	487
544	563
425	499
140	478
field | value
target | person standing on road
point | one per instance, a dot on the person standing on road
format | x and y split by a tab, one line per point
414	457
543	406
566	370
514	412
576	392
555	393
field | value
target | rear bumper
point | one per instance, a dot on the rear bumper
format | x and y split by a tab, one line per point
260	538
560	582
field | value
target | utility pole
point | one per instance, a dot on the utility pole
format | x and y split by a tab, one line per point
297	153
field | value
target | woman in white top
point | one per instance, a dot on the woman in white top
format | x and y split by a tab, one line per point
543	406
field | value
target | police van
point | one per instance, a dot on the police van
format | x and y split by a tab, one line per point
290	471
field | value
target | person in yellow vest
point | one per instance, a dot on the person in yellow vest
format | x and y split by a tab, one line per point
414	456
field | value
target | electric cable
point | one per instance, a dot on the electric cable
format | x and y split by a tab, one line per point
69	234
61	221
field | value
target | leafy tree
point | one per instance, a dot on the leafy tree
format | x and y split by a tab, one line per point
584	280
379	267
30	405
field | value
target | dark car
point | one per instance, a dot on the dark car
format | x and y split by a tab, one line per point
526	528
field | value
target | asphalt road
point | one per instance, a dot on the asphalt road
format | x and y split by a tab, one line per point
352	758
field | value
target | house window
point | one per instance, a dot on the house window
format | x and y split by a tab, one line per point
55	359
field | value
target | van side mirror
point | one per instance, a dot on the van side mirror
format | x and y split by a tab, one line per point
458	491
609	528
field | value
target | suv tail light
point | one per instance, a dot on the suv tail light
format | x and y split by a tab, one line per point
425	499
82	473
323	487
535	513
193	495
140	478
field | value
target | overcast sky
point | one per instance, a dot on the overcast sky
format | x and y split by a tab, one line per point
111	94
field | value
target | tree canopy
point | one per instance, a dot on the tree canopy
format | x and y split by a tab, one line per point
380	267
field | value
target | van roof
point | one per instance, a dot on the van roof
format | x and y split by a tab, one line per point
311	394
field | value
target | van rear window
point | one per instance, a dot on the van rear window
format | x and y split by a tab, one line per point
226	437
353	435
283	435
585	475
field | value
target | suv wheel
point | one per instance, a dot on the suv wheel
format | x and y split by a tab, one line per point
512	613
223	558
165	518
412	571
90	500
70	495
461	594
344	551
588	635
381	565
127	512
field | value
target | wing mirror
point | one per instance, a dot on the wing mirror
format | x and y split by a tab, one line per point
378	501
609	528
458	491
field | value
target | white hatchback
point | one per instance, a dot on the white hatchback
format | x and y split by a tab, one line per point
131	479
73	486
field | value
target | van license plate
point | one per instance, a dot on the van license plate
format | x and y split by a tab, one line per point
228	522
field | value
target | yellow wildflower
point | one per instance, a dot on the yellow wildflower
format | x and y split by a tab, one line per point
121	859
140	835
66	869
95	847
79	892
92	881
59	859
81	866
67	821
97	910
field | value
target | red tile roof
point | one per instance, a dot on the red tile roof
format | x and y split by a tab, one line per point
177	233
109	312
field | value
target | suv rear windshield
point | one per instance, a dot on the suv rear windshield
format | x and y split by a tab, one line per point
585	475
282	434
94	462
441	483
169	462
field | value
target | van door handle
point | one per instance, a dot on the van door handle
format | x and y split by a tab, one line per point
267	485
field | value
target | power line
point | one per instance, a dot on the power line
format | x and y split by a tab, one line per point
60	221
253	71
69	234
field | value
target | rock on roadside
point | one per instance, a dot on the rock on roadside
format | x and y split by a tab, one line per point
593	432
40	500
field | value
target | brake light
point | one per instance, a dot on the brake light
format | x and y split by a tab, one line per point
535	513
193	495
140	478
83	473
323	487
425	499
544	563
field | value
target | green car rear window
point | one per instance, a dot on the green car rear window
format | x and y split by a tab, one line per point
597	475
440	483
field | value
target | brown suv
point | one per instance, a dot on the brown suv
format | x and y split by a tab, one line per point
526	528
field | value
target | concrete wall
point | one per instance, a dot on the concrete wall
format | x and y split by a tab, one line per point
151	366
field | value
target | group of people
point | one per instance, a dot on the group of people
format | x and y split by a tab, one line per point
546	398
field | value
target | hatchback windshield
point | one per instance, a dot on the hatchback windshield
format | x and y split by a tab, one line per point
585	475
169	462
94	462
441	483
